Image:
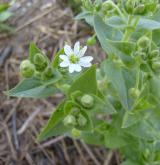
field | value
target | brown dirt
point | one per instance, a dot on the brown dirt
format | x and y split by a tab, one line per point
50	24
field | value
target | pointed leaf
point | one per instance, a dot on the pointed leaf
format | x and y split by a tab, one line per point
33	88
86	83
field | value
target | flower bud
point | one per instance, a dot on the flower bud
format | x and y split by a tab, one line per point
37	74
134	92
108	5
129	6
82	121
76	133
140	9
48	73
156	65
27	69
118	61
69	120
65	87
143	55
91	41
154	54
87	101
40	62
144	42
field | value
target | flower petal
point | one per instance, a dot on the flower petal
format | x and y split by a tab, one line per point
63	57
82	51
86	65
68	50
76	48
65	63
71	68
86	59
77	68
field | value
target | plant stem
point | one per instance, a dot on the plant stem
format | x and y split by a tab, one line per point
137	78
127	33
130	28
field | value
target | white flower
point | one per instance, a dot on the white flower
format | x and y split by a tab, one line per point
73	58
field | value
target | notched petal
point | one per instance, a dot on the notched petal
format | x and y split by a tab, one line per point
76	48
82	51
68	50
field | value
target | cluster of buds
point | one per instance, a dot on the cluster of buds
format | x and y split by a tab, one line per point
109	8
155	60
143	48
77	119
38	67
140	7
90	6
148	54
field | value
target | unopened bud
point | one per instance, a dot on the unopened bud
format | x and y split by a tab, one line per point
65	87
134	92
140	9
87	101
76	133
69	120
156	65
82	121
129	6
108	5
40	62
118	61
91	41
27	69
143	55
154	54
144	42
48	72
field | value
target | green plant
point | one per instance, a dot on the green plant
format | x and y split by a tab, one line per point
116	104
5	14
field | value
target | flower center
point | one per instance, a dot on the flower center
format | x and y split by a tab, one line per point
74	59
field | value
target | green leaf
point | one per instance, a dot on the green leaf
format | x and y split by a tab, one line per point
125	47
87	15
116	22
130	119
5	15
83	83
105	32
148	24
156	36
50	129
4	7
103	106
116	77
128	162
147	128
33	88
114	139
155	86
33	49
55	62
93	138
